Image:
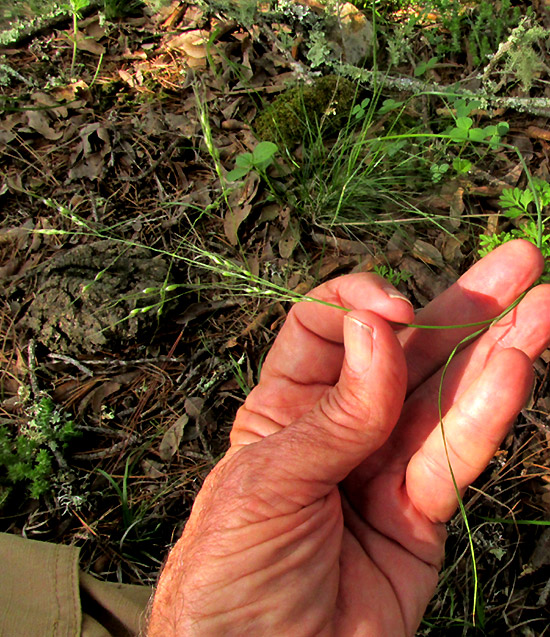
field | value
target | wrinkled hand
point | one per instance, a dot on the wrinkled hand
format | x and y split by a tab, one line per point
326	516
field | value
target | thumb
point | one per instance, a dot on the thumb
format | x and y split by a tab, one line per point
307	459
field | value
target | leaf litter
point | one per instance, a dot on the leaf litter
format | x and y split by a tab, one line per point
106	180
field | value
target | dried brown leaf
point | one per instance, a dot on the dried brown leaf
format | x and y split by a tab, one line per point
289	239
457	208
193	44
194	406
7	126
93	158
425	284
270	212
88	44
240	206
38	121
332	264
346	246
541	553
233	219
44	99
93	28
427	252
171	440
450	249
76	94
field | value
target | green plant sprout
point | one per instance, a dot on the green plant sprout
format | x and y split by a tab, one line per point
389	105
258	160
423	67
75	8
516	204
30	455
122	493
359	110
462	166
438	170
464	130
395	277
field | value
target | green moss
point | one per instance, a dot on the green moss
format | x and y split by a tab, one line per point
328	102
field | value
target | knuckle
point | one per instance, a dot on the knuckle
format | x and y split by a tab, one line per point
343	406
347	416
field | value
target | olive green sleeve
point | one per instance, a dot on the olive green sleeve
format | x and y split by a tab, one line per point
42	592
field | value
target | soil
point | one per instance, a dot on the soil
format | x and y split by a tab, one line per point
85	297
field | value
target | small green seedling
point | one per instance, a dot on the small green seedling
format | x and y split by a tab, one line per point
438	170
75	8
395	277
464	108
423	67
389	105
462	166
259	160
516	205
464	130
359	110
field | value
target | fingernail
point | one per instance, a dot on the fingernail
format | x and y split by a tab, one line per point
395	294
358	343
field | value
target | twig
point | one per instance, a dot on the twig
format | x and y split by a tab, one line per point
134	361
31	351
301	71
532	105
72	361
103	430
195	455
154	165
107	453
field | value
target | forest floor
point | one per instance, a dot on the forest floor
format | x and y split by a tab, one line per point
143	280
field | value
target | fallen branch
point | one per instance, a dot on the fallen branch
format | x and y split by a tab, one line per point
27	30
532	105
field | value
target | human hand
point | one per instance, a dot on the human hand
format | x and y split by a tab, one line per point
325	516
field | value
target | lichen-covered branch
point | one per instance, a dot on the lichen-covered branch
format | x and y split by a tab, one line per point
532	105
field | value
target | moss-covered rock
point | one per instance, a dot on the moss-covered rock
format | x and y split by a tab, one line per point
328	101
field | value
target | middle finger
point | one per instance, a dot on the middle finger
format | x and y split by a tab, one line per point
482	293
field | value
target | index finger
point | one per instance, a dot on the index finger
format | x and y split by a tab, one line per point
309	348
482	293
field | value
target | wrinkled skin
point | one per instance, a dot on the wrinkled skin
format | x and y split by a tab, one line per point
326	516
